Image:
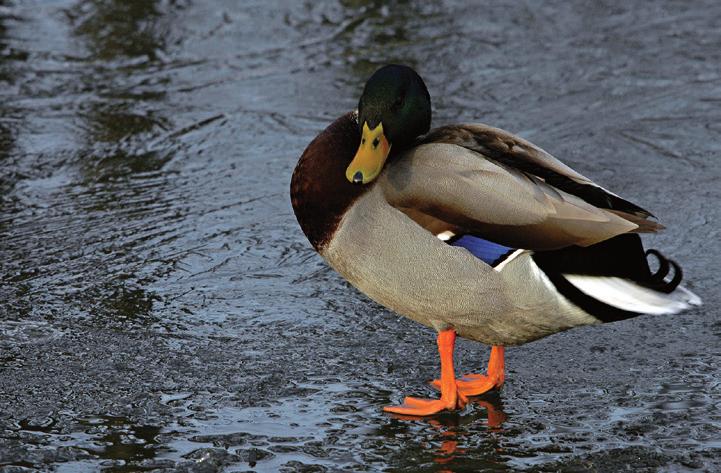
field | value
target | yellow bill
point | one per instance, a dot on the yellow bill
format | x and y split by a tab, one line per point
370	157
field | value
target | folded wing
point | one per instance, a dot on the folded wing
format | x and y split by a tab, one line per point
483	181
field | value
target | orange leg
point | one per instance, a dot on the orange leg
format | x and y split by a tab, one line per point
450	399
476	384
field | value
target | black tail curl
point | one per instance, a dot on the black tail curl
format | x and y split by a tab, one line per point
622	256
658	281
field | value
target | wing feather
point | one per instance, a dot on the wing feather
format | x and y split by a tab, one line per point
450	183
515	152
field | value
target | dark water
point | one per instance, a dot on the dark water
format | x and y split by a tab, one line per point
162	310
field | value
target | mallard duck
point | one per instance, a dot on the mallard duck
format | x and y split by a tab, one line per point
472	231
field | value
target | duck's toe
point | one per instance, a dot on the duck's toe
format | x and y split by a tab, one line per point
414	406
474	384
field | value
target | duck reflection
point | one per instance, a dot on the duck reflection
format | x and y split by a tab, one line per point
454	426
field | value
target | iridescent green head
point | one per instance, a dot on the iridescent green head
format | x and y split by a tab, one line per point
394	109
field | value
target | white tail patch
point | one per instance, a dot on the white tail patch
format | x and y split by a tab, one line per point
627	295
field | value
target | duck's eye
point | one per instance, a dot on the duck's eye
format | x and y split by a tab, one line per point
399	102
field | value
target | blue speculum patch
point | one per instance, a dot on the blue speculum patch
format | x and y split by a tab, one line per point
487	251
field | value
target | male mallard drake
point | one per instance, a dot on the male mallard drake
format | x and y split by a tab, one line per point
471	230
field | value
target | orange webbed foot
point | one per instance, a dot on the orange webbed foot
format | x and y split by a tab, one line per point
474	384
451	397
477	384
414	406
